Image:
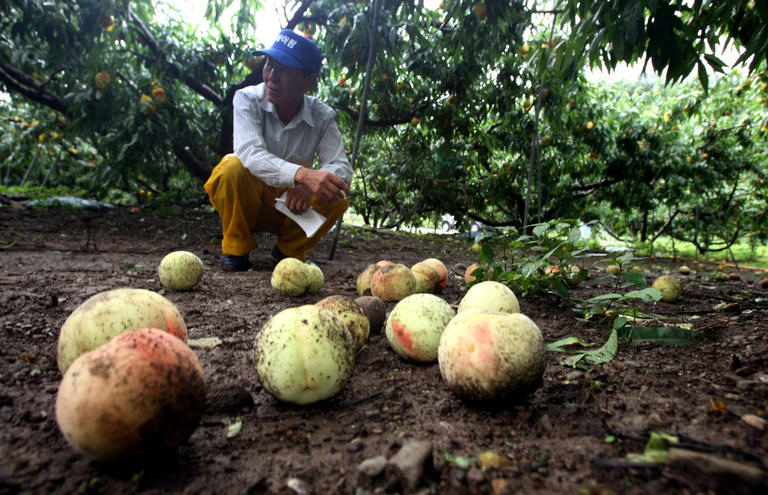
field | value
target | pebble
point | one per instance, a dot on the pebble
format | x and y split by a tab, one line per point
574	375
355	445
6	413
373	467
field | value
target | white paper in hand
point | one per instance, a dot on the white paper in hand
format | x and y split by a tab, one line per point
309	221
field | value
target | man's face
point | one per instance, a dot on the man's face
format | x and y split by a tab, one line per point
285	85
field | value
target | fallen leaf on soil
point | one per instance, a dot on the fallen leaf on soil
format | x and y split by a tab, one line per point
491	460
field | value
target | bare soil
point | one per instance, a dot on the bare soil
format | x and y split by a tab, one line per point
572	436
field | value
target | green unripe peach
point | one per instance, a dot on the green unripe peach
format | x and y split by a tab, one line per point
351	314
316	278
671	289
490	295
180	270
304	354
290	277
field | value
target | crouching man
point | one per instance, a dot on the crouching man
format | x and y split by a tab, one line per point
279	132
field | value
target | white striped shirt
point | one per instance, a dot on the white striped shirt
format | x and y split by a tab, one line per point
273	152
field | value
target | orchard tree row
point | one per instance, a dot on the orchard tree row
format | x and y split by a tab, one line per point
477	110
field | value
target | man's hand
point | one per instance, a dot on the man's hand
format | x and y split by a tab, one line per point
324	185
297	200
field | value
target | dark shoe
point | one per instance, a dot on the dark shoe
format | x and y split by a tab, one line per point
277	254
232	263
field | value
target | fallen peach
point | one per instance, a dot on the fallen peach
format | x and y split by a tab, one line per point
142	393
490	295
107	314
393	282
491	356
415	324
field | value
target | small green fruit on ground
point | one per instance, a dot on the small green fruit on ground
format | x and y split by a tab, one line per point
393	282
352	316
316	278
180	270
490	295
304	354
613	269
415	324
142	393
670	288
107	314
374	309
684	270
490	356
290	277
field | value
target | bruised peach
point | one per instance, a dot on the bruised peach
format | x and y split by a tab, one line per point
442	270
415	324
491	356
364	278
393	282
351	314
427	277
107	314
142	393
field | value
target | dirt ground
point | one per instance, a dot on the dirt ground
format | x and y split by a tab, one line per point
573	435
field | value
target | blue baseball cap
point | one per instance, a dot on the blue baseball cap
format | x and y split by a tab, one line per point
296	51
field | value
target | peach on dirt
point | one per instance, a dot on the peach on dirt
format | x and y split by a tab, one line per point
374	309
393	282
316	278
490	295
351	314
684	270
490	356
290	277
469	275
180	270
442	270
364	278
415	324
107	314
140	394
304	354
427	277
670	288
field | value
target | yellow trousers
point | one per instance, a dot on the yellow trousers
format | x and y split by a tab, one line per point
246	204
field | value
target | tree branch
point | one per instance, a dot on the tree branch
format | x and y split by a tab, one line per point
149	40
25	84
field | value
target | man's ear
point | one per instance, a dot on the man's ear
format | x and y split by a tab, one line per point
310	81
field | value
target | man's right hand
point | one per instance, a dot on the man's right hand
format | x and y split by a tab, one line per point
324	185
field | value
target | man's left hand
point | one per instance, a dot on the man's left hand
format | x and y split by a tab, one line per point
298	199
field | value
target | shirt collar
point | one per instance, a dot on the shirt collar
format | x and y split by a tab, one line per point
304	114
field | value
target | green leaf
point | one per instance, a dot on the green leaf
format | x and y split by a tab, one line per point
585	359
558	345
462	462
634	277
656	449
234	427
648	294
